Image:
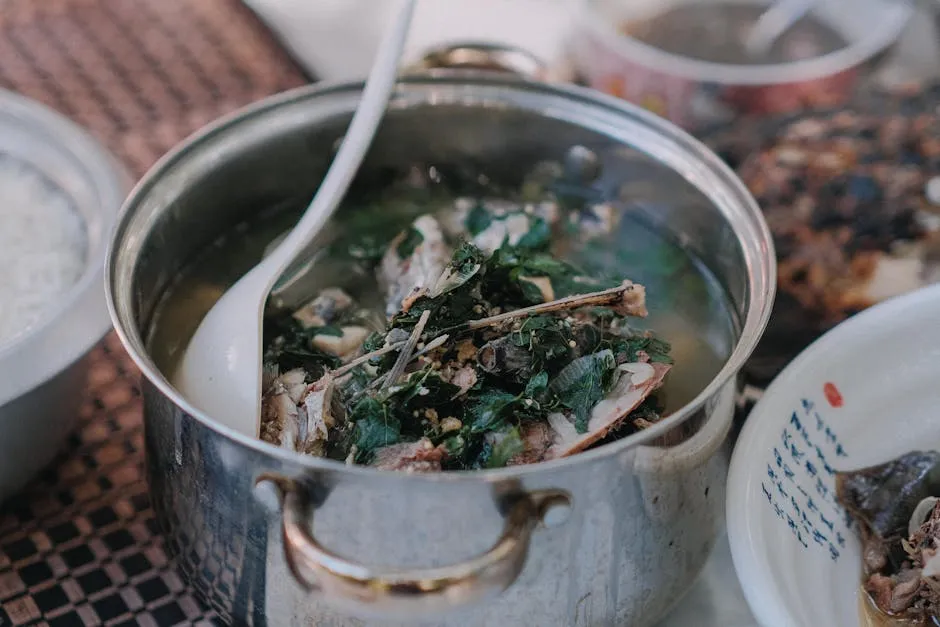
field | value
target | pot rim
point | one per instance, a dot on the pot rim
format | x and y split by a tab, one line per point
896	17
760	264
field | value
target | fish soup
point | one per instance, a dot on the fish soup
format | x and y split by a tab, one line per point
448	323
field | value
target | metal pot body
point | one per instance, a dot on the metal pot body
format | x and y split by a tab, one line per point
612	536
640	527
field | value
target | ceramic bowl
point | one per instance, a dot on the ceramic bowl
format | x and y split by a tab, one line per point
694	93
42	370
864	393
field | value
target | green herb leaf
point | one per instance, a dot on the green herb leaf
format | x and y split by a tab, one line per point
412	240
545	337
488	409
628	348
537	385
374	342
583	383
455	445
423	388
478	220
375	428
508	446
538	237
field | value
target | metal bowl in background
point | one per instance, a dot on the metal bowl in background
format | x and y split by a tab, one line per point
630	524
693	93
43	370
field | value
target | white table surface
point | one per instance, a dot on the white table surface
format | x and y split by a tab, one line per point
335	40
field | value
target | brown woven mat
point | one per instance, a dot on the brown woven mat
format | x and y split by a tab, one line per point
79	545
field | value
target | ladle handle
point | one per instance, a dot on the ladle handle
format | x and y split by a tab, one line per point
354	146
417	592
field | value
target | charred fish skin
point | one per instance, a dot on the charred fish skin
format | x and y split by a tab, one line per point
884	496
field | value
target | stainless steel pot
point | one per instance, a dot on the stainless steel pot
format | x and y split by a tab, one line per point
613	536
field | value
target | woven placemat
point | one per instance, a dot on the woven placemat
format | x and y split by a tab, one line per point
79	546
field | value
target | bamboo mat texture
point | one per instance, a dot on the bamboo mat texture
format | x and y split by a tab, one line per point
79	546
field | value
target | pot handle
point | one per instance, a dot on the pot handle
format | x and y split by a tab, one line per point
410	592
472	56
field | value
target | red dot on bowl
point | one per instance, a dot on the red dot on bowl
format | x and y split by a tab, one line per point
832	394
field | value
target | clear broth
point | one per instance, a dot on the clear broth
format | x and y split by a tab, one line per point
687	305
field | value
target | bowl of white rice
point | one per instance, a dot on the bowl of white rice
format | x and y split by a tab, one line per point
60	193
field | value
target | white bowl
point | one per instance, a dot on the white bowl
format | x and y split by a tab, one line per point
42	370
864	393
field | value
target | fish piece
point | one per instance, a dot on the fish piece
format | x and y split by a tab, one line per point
343	345
324	309
508	221
407	279
537	437
464	378
295	383
454	222
420	456
880	587
634	386
599	220
899	531
511	229
883	497
318	415
904	591
450	424
280	418
875	551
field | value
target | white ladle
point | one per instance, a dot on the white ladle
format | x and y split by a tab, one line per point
773	23
220	372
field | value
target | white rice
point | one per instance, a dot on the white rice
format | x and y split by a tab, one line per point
42	247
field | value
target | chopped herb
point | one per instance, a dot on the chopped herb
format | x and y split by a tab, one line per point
478	219
411	241
507	446
537	385
374	428
538	237
477	351
374	342
488	409
583	383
